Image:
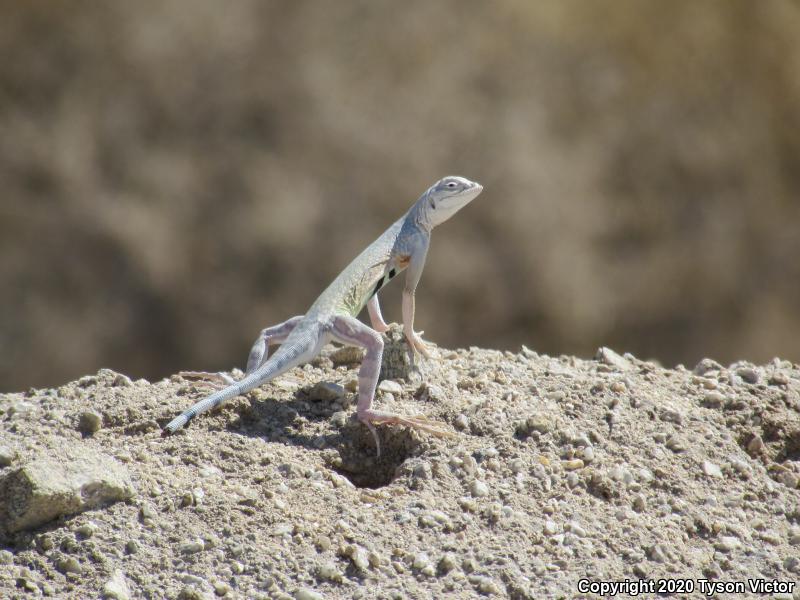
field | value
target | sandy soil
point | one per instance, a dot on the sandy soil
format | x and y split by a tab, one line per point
562	469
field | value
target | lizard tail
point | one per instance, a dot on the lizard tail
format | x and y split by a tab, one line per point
286	357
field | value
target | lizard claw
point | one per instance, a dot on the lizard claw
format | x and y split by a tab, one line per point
220	379
418	345
420	422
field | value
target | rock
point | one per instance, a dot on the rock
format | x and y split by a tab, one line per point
779	378
612	359
7	456
307	594
447	563
706	365
51	487
87	530
421	560
325	391
192	546
537	422
69	564
90	422
727	543
116	588
713	400
391	387
711	469
755	446
346	355
748	374
122	381
478	489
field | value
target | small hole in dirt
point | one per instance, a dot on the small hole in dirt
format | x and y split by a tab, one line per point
357	452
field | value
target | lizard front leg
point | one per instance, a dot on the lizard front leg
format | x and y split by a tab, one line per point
375	316
269	336
414	262
349	330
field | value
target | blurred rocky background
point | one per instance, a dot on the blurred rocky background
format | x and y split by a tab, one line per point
177	174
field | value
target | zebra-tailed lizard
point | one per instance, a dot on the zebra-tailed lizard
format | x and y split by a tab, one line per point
402	247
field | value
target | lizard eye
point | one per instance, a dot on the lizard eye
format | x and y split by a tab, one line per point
452	185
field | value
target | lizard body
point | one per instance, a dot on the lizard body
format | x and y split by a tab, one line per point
402	247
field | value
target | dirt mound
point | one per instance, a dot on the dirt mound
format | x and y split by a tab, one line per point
563	469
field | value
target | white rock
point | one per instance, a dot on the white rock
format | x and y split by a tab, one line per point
390	387
711	469
478	488
308	594
116	588
76	480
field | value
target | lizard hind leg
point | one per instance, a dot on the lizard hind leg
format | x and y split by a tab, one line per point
259	354
349	330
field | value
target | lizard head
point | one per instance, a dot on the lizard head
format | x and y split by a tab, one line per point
446	197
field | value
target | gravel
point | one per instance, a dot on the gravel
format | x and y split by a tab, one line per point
560	469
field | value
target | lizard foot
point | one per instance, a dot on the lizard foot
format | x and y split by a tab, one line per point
377	417
418	345
220	379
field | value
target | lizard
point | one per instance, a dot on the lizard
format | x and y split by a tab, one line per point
402	247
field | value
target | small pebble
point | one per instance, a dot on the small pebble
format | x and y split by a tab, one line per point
192	546
711	469
421	560
90	422
116	588
325	391
7	456
576	529
478	489
461	422
347	355
329	572
676	444
390	387
789	479
550	527
359	557
87	530
572	465
713	400
748	374
69	564
612	359
779	378
792	563
755	446
122	381
517	466
727	543
447	563
484	584
307	594
794	535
